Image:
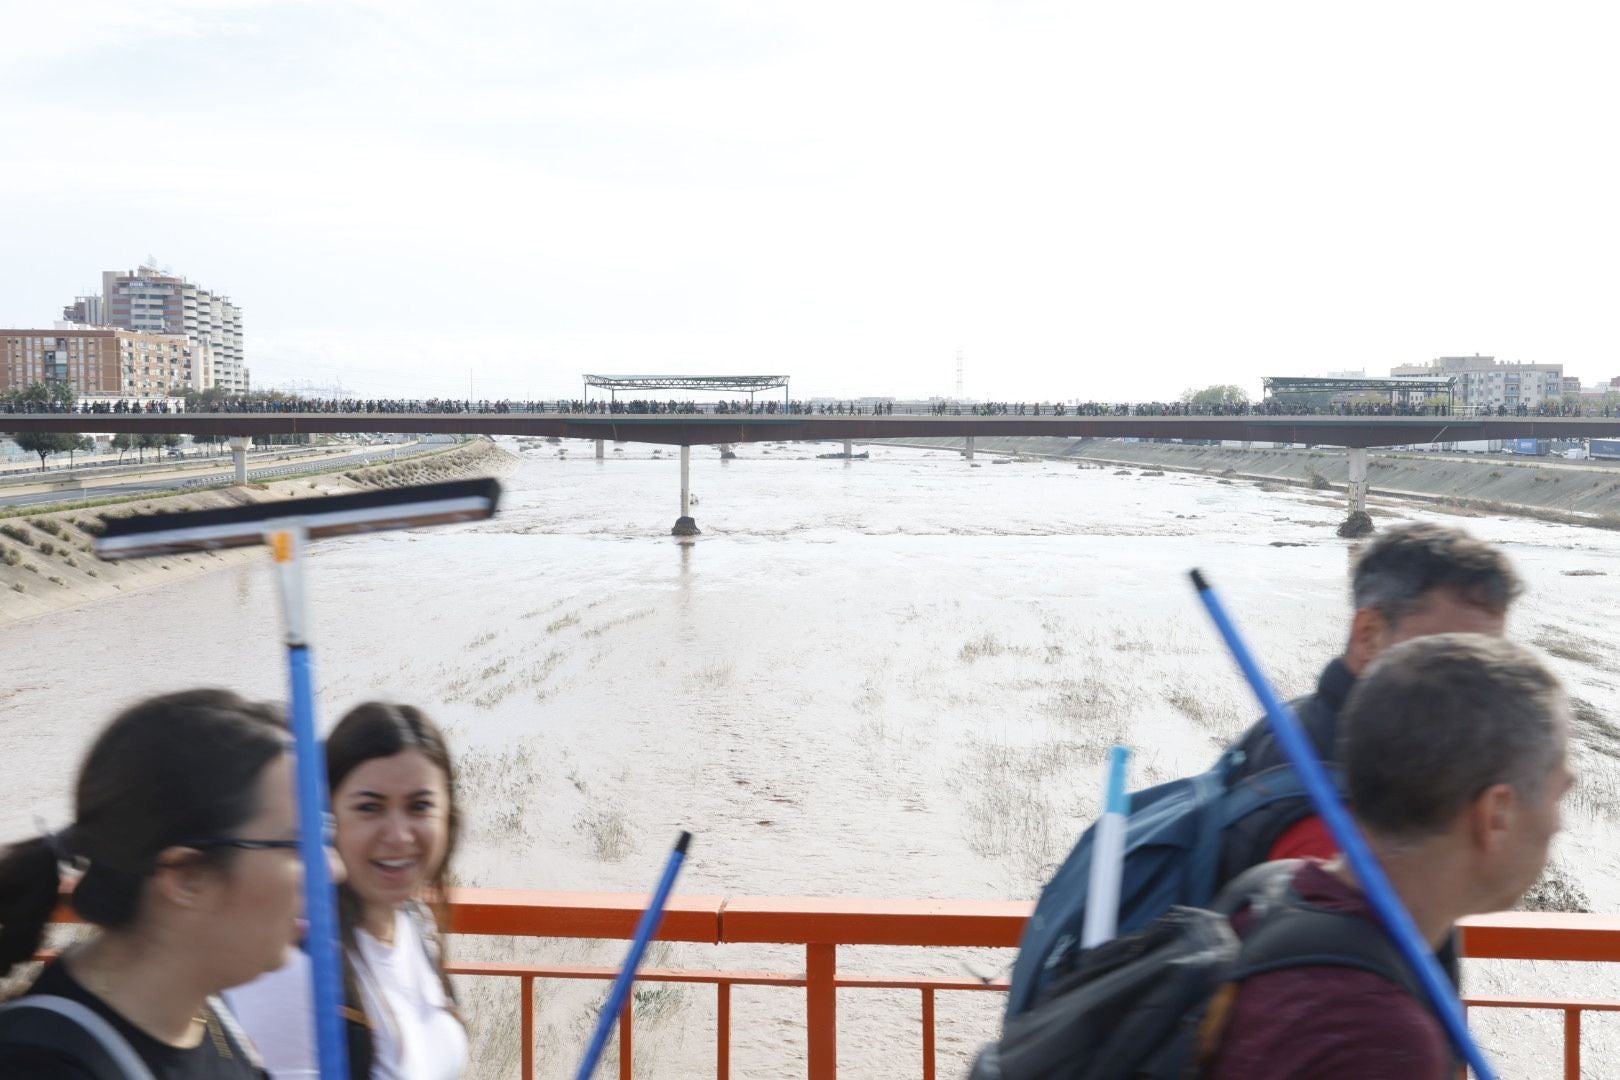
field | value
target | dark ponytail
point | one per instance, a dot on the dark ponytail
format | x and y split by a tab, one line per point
171	768
29	882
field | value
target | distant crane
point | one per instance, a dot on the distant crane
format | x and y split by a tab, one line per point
958	374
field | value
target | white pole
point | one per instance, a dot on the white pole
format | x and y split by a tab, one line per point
1107	856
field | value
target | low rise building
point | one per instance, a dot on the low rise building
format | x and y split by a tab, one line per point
102	361
1485	382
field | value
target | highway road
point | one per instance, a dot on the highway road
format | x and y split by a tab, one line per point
171	485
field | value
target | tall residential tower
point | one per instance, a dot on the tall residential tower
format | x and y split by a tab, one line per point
151	301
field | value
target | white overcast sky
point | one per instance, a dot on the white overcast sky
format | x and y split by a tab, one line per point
1096	200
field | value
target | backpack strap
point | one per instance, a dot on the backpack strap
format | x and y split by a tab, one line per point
1286	932
61	1024
1289	933
235	1037
1295	935
1203	860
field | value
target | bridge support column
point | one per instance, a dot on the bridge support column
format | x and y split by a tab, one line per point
849	448
1357	523
1358	479
239	449
967	450
600	454
684	525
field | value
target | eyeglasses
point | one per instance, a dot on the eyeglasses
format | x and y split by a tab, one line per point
328	840
245	845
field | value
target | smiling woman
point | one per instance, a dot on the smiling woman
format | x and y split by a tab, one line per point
393	798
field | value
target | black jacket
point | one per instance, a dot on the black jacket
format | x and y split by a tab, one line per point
1249	842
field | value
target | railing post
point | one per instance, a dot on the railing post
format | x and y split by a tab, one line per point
821	1010
1572	1044
928	1034
1462	1070
722	1028
626	1040
526	1025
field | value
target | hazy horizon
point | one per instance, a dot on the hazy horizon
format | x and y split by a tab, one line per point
1103	202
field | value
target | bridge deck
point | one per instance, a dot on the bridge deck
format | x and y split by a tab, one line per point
707	428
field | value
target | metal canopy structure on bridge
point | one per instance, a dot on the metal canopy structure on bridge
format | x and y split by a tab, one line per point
1279	385
716	384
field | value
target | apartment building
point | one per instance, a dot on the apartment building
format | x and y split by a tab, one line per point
1486	382
101	361
150	301
85	311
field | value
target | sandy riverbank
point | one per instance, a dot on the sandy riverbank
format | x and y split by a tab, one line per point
1588	492
45	560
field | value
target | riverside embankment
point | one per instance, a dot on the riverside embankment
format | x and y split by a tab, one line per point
1587	492
45	560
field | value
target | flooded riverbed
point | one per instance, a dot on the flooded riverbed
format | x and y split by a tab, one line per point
895	677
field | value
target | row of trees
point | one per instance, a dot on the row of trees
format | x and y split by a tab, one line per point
46	443
1226	394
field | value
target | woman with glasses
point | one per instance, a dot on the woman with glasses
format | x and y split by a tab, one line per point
393	801
185	830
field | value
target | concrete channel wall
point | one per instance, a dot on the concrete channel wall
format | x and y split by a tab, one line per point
1498	481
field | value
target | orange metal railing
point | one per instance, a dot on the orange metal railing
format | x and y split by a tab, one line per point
821	925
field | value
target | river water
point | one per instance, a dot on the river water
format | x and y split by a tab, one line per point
895	678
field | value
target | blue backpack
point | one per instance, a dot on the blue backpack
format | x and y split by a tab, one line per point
1173	845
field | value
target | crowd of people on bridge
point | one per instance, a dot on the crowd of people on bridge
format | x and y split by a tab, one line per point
119	407
283	403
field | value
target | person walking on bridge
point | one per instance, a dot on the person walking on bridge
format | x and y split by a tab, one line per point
1412	581
185	834
393	798
1456	758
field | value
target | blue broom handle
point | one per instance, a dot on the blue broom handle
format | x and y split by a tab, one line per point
320	903
645	929
1363	863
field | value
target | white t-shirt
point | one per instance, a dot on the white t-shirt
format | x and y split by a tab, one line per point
414	1034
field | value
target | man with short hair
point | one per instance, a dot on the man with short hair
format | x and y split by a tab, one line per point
1412	581
1455	752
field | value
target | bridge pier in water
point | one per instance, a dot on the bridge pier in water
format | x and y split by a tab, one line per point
967	448
1357	523
1358	479
599	450
849	448
239	449
684	525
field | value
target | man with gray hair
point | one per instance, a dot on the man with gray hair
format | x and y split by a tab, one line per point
1412	581
1455	753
